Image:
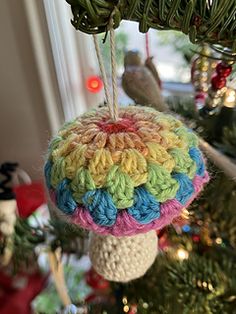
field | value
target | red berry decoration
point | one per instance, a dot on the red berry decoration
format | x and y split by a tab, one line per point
217	89
218	82
223	69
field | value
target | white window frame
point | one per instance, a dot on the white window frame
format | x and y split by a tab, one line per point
74	57
74	60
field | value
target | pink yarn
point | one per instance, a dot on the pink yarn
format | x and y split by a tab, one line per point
126	225
198	182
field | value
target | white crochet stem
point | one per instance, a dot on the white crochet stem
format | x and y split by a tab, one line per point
123	259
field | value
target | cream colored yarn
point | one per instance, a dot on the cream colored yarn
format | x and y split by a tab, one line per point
123	259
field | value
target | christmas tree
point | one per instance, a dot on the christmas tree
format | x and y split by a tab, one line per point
194	271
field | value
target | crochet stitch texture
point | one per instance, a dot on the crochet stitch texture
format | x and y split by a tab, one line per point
124	177
123	259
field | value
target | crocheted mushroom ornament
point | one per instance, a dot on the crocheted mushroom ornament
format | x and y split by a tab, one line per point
124	177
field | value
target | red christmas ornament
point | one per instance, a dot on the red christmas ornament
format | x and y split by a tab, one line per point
223	69
216	91
95	281
196	238
94	84
218	82
29	197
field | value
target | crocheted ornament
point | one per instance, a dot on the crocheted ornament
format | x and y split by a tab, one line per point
125	177
123	259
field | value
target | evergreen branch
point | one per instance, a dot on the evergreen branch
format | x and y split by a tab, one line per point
27	238
204	21
196	285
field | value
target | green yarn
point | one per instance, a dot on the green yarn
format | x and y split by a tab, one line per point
58	171
121	188
188	137
54	144
183	162
160	183
82	183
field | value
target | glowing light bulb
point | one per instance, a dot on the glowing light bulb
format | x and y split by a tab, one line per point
94	84
182	254
230	98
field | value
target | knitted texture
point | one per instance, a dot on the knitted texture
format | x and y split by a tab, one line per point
123	259
124	177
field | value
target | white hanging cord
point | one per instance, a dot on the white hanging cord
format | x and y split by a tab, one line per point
114	71
112	105
103	73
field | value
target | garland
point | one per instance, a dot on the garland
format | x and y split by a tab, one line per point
203	20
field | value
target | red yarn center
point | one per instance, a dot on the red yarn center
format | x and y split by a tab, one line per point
122	125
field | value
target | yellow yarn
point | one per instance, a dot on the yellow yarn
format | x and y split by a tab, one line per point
75	160
99	166
159	155
134	164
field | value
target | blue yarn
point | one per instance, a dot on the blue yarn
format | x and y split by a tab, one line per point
64	199
146	208
101	207
196	155
186	188
47	173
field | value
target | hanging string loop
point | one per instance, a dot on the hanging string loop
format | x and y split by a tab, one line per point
112	103
114	70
